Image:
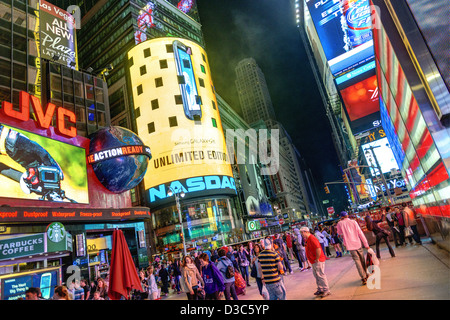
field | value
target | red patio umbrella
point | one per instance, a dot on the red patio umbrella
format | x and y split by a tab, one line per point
123	276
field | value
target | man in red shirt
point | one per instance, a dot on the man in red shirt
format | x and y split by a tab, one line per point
316	257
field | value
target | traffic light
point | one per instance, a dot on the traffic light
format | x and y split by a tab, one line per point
327	191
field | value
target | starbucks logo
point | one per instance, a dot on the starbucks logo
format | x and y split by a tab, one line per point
56	232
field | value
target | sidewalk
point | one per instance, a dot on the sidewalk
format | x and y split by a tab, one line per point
416	273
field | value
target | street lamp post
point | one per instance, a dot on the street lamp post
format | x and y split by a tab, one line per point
177	200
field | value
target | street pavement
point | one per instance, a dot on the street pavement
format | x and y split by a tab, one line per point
418	272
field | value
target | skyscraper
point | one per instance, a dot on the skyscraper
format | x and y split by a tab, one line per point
254	95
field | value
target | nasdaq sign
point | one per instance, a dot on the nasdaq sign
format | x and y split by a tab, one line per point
196	186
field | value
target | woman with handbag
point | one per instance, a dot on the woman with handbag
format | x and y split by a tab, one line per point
380	233
255	263
190	278
410	224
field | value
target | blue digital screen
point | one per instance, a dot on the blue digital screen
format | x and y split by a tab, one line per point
344	29
391	134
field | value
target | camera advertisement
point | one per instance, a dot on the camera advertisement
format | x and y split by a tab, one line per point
38	168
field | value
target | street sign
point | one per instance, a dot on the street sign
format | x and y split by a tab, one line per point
330	211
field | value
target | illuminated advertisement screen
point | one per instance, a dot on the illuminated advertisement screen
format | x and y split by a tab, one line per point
57	34
256	200
362	104
344	29
15	288
391	134
432	19
382	153
34	167
179	121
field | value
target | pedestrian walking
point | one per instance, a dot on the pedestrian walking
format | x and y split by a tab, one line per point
280	247
353	236
391	223
270	268
335	241
152	287
401	225
380	233
212	278
320	237
256	273
227	269
176	273
301	250
289	246
191	276
244	262
327	239
410	221
316	257
164	276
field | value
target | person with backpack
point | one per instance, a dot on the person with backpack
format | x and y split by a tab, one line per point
212	277
226	267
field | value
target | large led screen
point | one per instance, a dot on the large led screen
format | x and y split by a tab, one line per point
38	168
362	105
380	152
178	119
344	29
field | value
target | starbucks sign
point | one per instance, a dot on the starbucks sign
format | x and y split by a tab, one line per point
21	246
56	232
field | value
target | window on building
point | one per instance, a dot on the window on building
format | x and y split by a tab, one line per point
214	123
151	127
158	82
202	67
143	70
139	89
137	112
163	64
147	53
169	48
155	104
173	121
213	104
201	82
178	99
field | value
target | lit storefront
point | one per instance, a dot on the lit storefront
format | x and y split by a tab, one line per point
418	138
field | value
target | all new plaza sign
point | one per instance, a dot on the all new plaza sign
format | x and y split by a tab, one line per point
34	244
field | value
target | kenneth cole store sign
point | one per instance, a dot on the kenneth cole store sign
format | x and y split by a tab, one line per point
55	214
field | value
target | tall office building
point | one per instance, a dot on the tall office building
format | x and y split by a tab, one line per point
257	107
254	95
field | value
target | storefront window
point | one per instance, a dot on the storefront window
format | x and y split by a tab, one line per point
205	222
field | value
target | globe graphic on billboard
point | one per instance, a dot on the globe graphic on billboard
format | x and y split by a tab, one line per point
118	157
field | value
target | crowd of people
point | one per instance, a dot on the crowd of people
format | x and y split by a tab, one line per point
226	271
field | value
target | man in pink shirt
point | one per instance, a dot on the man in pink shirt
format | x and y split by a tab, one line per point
353	236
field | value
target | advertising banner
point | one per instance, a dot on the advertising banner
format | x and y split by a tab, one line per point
344	29
362	105
381	153
57	34
40	168
179	121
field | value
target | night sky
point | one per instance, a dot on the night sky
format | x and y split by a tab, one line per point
266	31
